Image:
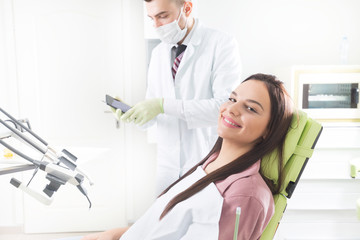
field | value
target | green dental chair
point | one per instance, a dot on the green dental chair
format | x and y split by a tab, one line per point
299	146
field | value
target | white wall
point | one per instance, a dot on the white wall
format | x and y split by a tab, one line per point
2	50
274	35
10	215
8	81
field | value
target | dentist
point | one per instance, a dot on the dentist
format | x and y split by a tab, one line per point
191	73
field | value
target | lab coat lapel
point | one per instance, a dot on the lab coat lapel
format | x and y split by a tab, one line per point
190	50
189	53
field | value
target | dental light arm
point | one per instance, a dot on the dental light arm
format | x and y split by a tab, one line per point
60	167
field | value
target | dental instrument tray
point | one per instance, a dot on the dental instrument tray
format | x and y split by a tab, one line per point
60	167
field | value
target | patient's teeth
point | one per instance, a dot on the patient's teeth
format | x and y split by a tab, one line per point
230	123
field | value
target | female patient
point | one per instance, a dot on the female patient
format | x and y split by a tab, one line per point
202	204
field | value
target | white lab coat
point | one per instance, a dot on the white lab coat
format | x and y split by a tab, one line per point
194	218
208	72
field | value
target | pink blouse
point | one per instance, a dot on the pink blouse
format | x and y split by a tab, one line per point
249	191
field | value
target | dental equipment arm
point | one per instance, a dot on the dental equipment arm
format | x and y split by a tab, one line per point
34	194
59	166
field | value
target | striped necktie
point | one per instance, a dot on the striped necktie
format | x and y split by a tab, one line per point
178	56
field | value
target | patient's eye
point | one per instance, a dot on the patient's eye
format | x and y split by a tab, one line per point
251	109
232	99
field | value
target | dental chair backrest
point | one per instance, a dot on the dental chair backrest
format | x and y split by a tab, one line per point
299	146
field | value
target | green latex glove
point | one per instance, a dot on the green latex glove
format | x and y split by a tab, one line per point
144	111
117	112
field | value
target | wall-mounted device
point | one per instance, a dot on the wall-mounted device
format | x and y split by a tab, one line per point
328	93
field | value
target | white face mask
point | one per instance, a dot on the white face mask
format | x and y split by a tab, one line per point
172	33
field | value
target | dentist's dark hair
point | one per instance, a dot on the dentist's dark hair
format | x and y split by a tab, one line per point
280	119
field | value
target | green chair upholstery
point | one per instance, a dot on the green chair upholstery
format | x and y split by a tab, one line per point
299	146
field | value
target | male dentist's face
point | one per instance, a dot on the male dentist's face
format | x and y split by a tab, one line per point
163	12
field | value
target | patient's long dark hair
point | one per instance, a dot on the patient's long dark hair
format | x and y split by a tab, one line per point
280	119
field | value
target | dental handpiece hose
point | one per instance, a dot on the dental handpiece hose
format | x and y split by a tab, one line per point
23	137
35	162
24	127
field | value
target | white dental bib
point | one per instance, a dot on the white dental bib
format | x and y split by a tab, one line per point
195	218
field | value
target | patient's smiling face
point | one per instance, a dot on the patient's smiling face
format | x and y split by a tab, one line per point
244	118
